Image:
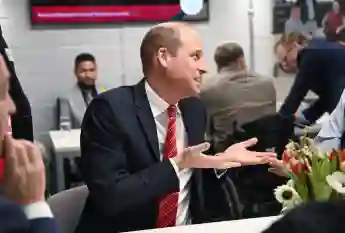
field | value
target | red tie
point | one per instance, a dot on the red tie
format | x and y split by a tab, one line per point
168	204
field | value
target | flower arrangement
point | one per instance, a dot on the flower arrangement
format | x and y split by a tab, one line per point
314	175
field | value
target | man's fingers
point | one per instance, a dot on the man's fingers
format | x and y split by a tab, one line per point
33	152
21	154
265	154
197	149
250	142
9	151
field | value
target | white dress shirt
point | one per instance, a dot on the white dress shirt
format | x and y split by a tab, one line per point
159	110
37	210
332	129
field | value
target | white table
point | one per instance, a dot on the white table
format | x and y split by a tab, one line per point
253	225
66	144
65	140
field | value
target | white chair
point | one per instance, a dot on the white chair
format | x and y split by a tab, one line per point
67	207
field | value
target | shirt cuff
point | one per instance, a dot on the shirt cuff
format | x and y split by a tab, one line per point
174	166
37	210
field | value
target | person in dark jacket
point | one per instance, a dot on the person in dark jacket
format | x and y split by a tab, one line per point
320	68
22	120
22	176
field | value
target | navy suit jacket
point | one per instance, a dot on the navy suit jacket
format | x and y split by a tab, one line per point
13	220
122	169
321	70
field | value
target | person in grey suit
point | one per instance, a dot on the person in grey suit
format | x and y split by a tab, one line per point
85	89
235	96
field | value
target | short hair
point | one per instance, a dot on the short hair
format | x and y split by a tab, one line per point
82	57
227	54
158	37
292	37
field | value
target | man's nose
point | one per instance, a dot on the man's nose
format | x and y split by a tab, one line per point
202	66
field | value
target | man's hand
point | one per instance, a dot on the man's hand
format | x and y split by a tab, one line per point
239	153
235	156
24	180
278	168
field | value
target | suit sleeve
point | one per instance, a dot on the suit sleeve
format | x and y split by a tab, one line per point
22	120
105	157
300	86
43	225
13	220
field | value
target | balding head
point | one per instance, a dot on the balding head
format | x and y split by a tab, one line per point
164	35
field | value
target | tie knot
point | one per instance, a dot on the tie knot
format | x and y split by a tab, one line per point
172	110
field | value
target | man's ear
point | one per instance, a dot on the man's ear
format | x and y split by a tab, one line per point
163	57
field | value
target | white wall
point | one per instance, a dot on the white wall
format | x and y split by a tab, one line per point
44	58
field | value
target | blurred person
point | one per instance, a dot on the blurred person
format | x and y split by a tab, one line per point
86	88
21	120
309	15
235	96
141	145
332	133
320	68
294	23
333	22
22	183
313	217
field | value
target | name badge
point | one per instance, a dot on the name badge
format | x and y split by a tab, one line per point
9	54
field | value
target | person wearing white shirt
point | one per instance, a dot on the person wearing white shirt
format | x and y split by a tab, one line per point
141	145
331	135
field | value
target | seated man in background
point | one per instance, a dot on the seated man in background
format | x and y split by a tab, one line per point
235	96
85	90
22	181
321	69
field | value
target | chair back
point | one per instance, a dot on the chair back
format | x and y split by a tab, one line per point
273	133
67	207
254	183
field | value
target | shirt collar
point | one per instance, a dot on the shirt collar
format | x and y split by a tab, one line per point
157	104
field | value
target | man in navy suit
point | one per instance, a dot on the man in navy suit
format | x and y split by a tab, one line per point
320	68
141	145
22	180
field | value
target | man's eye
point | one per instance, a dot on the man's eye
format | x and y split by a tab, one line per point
196	56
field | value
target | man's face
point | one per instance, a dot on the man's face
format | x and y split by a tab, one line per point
186	69
7	106
336	7
86	72
286	55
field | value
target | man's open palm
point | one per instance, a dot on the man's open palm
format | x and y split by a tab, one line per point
239	153
235	156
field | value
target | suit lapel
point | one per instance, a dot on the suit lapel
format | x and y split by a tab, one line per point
145	116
